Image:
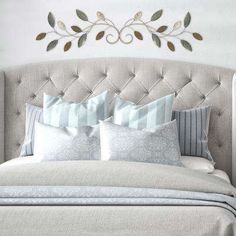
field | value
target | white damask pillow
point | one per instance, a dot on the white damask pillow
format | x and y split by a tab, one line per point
159	145
61	144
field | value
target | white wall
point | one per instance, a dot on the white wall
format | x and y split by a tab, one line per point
22	20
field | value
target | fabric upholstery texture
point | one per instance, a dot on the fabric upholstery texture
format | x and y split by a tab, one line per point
2	95
159	145
147	116
62	144
138	80
60	113
33	114
193	128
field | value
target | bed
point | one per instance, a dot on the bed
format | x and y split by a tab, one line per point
117	198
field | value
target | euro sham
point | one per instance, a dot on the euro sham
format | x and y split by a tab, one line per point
33	114
60	113
158	145
62	144
143	116
193	128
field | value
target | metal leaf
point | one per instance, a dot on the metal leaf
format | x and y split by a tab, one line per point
52	45
67	46
81	15
187	20
77	29
82	40
171	46
156	40
100	35
100	16
138	15
61	25
177	25
51	20
186	45
162	29
156	15
197	36
41	36
138	35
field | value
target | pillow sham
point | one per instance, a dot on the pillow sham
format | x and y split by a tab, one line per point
192	128
33	114
197	163
159	145
61	144
143	116
60	113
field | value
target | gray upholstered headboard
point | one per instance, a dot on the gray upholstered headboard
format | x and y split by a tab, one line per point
139	80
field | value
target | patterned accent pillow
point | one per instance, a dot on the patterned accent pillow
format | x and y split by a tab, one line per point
33	114
193	127
159	145
61	144
143	116
59	113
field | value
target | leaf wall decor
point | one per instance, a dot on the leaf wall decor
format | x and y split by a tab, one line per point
132	29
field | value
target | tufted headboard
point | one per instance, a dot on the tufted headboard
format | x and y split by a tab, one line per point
138	80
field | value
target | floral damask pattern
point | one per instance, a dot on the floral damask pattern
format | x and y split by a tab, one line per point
160	34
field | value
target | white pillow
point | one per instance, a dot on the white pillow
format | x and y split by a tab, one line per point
198	163
62	144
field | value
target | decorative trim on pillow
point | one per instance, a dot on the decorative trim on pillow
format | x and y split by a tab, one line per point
193	131
60	113
33	114
143	116
158	145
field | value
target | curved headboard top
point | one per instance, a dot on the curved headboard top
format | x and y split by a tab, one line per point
135	79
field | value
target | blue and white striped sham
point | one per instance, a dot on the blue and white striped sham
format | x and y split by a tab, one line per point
143	116
33	114
60	113
193	127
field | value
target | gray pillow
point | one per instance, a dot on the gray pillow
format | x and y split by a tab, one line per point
193	127
33	114
159	145
61	144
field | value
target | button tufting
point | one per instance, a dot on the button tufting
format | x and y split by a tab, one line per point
219	83
219	144
203	97
18	113
47	78
76	76
162	77
19	81
146	92
190	80
33	96
176	93
220	113
117	91
61	93
18	144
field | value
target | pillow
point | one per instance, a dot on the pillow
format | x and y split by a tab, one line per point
193	131
143	116
59	113
158	145
33	114
198	163
61	144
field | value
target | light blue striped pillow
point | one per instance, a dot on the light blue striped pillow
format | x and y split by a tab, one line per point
59	113
33	114
193	127
143	116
